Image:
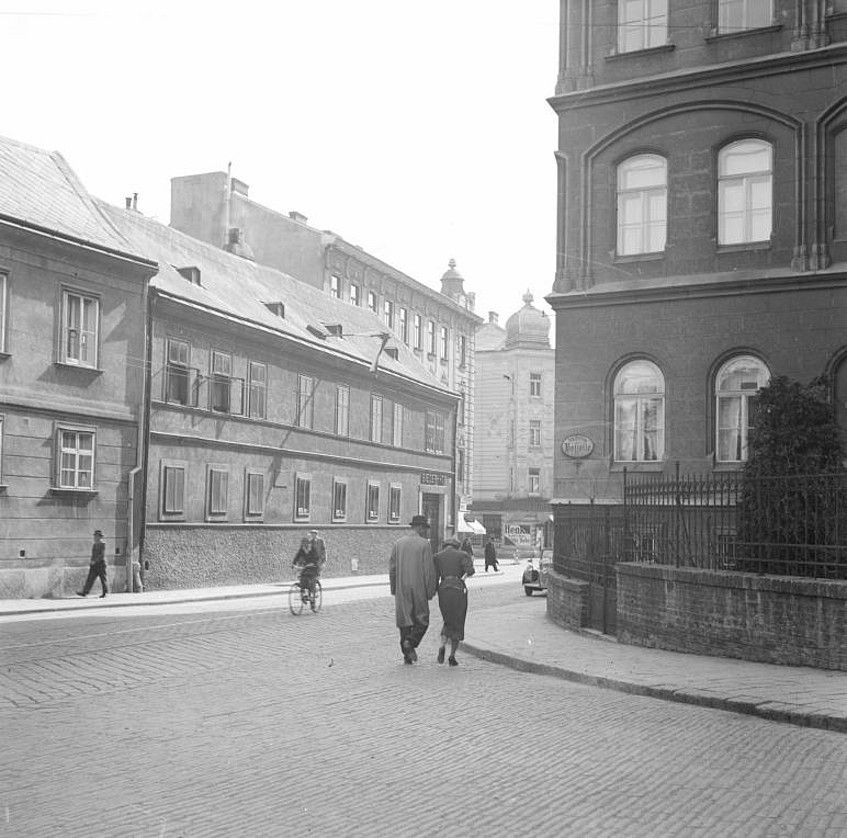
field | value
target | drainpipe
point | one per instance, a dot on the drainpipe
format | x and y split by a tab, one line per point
144	424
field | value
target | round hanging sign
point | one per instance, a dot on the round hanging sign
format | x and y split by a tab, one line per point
577	446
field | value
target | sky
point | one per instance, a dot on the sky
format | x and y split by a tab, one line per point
419	132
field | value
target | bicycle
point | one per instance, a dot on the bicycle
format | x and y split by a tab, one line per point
300	596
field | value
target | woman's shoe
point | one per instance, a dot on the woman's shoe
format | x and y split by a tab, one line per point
452	661
441	655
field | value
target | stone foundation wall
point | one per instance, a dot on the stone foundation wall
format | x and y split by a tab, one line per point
800	622
197	556
567	600
54	581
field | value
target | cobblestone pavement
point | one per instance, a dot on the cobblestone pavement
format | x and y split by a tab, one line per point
261	723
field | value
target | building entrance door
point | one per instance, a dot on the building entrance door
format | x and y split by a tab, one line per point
431	507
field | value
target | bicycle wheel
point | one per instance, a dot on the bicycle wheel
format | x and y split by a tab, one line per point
318	597
295	599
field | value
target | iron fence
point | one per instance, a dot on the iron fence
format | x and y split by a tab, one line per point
788	525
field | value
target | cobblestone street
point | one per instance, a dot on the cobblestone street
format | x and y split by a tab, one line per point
256	722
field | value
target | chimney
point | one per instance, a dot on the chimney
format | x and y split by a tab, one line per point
135	201
492	318
298	216
128	200
237	245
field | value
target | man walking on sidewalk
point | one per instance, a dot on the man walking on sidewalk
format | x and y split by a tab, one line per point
411	574
97	565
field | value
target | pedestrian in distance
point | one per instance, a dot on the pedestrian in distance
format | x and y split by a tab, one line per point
490	556
96	566
411	574
467	546
452	567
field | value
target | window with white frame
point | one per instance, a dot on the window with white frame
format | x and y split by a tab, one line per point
535	385
737	385
178	373
535	481
372	301
394	495
397	426
339	500
639	411
254	495
642	24
257	379
388	313
739	15
372	510
80	326
376	418
430	337
335	286
173	488
642	186
535	433
75	458
355	295
220	390
1	448
4	291
463	350
445	343
403	324
434	432
217	492
460	467
342	410
302	497
417	332
745	192
305	401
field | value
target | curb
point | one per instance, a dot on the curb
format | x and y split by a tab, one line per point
771	713
219	598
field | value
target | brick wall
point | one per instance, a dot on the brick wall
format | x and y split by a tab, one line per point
800	622
206	556
567	600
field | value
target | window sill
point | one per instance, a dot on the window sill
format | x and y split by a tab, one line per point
172	517
78	368
216	519
63	490
735	467
714	35
743	246
638	53
394	522
430	356
639	257
655	466
372	521
444	362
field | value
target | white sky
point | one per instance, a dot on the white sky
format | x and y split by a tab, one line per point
418	131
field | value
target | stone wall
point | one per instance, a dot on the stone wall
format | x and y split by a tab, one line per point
800	622
567	600
197	556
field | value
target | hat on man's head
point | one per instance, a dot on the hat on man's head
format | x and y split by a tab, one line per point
419	521
97	532
313	531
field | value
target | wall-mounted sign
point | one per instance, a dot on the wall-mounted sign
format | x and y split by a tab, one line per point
577	446
431	478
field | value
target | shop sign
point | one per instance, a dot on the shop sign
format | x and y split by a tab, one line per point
577	446
431	478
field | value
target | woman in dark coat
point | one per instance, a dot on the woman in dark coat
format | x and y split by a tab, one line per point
452	565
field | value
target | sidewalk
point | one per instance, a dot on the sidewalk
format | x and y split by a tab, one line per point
519	635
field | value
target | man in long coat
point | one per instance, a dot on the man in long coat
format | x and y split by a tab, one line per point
411	572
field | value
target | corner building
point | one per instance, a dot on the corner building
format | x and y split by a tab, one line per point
702	228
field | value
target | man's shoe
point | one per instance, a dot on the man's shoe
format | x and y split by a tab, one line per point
441	655
80	593
102	595
452	661
413	655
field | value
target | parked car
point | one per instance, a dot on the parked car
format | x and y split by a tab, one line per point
532	576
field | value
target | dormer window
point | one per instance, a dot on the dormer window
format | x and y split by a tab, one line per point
191	273
276	308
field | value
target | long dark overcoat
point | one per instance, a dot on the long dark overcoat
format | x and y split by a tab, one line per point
411	573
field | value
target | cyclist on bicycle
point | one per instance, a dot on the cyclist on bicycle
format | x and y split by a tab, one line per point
310	558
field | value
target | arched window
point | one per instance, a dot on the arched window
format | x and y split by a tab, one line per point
738	15
745	192
642	204
642	24
639	394
736	385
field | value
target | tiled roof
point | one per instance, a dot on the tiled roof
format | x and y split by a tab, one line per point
37	187
240	288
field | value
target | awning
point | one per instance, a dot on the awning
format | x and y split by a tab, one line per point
470	526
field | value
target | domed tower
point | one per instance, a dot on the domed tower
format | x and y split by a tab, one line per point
528	328
453	283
